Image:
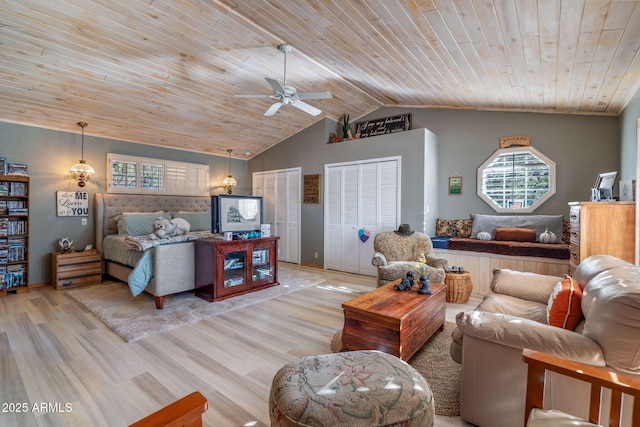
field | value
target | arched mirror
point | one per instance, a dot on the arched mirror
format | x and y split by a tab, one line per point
516	179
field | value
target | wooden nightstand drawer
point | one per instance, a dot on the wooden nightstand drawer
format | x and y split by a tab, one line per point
73	269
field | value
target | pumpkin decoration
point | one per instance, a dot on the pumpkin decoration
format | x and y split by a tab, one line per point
484	235
548	236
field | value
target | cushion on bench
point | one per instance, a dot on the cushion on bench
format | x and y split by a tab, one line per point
544	250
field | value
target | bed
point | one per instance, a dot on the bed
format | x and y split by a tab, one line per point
171	269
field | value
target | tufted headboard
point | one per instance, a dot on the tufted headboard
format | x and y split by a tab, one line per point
107	206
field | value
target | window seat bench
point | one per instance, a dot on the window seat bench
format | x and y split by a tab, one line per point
481	263
506	247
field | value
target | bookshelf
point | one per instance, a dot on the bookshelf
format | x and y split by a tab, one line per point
14	234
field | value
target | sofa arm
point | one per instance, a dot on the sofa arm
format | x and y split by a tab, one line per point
436	262
379	259
524	285
520	333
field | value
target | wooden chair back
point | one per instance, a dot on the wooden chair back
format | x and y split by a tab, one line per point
185	412
599	378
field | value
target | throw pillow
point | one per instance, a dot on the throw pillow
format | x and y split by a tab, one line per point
564	309
138	224
199	221
515	234
453	227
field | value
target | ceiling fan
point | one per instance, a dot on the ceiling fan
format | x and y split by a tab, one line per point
287	94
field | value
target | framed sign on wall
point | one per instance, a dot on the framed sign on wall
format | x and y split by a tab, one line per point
311	189
72	203
455	185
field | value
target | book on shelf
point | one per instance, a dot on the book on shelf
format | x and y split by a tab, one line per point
17	169
12	276
17	188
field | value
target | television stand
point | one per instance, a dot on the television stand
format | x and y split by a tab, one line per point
227	268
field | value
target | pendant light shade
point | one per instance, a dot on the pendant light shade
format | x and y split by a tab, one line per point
229	182
81	171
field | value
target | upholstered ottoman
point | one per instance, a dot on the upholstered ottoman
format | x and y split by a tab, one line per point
355	388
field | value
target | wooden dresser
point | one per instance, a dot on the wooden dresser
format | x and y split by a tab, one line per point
602	228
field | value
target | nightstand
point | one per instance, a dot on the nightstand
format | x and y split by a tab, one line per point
77	268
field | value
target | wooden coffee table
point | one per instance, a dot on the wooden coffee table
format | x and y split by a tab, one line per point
396	322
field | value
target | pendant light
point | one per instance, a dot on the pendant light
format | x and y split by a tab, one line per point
81	171
229	182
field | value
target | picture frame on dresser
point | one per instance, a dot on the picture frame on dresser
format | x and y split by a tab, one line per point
604	185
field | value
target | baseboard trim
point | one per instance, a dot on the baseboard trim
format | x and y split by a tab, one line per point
312	265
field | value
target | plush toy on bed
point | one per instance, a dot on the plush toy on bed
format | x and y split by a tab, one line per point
164	228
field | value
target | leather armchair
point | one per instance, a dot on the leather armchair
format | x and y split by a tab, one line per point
395	255
489	340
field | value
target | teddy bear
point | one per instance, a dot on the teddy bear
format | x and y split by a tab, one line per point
164	228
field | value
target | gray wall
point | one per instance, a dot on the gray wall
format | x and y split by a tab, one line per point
628	137
50	154
309	150
581	145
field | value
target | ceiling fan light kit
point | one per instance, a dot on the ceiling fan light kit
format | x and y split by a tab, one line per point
288	95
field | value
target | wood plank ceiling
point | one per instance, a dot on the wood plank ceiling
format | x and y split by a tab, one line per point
164	72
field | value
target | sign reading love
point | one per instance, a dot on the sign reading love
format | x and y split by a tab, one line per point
364	234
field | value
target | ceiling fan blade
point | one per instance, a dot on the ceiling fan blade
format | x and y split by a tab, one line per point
306	108
315	95
253	96
277	87
272	110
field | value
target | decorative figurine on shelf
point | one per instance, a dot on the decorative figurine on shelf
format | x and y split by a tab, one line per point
66	244
424	288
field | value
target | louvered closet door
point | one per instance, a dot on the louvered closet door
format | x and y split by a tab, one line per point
362	196
350	220
293	216
280	191
287	214
333	253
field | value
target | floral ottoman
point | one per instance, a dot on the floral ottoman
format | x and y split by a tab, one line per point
356	388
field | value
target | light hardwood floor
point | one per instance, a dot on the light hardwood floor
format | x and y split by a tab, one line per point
61	366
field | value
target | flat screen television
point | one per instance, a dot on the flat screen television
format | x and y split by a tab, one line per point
237	214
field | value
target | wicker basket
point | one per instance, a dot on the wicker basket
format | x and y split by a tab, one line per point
459	287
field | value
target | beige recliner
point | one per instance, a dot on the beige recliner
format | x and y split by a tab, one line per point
397	253
489	340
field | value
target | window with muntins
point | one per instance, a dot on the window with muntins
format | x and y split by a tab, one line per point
516	178
124	174
131	174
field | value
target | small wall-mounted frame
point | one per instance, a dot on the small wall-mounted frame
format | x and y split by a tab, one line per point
72	203
455	185
311	189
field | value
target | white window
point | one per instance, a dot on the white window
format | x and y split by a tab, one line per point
131	174
516	179
123	175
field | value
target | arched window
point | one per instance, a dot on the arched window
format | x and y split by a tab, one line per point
516	179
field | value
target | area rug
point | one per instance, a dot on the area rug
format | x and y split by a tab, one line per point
436	366
136	318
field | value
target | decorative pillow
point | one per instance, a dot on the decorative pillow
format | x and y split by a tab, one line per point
515	234
564	309
566	232
138	224
453	227
199	221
